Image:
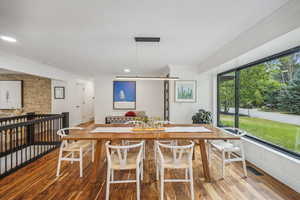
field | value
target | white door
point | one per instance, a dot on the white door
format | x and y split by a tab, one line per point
84	109
81	104
76	105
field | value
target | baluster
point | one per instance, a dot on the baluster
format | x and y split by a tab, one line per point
5	151
16	145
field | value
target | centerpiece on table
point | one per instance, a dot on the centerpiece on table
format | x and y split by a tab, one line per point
151	124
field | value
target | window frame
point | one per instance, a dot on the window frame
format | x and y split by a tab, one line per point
237	99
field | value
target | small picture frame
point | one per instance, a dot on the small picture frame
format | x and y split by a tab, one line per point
59	92
186	91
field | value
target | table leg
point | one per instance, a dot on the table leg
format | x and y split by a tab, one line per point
204	161
96	163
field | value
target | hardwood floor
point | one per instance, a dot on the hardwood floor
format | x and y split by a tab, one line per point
38	181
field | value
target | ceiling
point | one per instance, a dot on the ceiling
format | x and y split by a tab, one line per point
97	36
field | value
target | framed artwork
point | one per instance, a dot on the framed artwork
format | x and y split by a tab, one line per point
59	92
124	95
185	91
11	94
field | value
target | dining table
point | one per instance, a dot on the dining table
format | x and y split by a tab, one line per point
99	133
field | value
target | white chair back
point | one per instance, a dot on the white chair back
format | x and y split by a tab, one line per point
136	122
62	132
120	153
179	152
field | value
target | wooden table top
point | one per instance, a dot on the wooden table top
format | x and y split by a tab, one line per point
214	134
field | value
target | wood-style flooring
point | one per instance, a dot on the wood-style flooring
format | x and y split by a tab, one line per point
38	181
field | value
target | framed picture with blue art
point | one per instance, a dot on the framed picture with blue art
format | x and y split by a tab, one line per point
124	95
185	91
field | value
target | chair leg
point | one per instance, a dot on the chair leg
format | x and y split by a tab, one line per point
107	183
138	183
59	162
157	170
80	162
209	153
144	150
192	183
142	170
154	145
112	175
93	151
245	168
72	156
244	161
229	155
162	183
223	164
186	173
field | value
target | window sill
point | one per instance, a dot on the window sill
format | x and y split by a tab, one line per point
249	139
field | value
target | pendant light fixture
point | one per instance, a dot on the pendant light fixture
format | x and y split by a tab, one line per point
144	40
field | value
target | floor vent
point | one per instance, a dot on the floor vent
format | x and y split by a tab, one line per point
254	171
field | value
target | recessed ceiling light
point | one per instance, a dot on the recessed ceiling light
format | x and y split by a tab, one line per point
7	38
126	70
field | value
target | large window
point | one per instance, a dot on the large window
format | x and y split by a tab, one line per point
263	98
227	99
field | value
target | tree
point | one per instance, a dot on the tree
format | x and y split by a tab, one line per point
253	84
289	97
271	93
285	67
227	94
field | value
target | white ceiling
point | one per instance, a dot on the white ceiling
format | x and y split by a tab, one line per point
96	36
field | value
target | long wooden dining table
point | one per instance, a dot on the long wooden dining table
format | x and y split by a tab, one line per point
88	134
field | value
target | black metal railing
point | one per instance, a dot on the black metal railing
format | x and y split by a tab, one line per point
26	141
13	120
22	118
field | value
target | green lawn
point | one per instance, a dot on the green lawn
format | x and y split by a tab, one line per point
282	134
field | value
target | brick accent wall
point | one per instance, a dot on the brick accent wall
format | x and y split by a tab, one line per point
36	93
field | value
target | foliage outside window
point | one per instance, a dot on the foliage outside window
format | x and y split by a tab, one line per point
264	100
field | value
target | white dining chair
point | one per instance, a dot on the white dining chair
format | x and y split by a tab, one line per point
73	147
124	158
231	151
127	142
170	142
175	157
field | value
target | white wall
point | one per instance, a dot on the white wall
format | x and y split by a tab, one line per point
59	77
73	94
278	165
149	98
183	112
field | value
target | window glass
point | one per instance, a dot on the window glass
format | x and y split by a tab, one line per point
268	99
227	99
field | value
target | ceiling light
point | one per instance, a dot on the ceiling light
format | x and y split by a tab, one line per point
147	39
126	70
145	78
7	38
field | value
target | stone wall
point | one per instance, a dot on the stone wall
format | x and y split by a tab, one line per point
36	93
